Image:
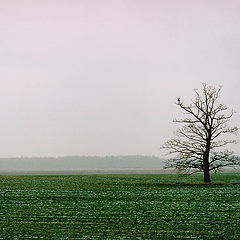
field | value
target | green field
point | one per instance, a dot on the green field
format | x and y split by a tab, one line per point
119	207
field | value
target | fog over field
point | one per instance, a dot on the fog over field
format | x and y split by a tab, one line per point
100	78
82	163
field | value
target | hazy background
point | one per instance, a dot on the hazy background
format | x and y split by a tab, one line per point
100	77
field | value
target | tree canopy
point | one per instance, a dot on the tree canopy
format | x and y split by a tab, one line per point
200	144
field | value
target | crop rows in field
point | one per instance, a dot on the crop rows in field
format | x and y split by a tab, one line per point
118	207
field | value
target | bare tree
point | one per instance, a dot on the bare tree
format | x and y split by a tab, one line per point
199	146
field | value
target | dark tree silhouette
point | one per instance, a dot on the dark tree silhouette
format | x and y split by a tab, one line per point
199	146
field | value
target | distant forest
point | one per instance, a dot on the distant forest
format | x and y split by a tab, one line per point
80	163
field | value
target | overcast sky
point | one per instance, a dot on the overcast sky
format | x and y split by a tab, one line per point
100	77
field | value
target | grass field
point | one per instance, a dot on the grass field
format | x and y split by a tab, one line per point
119	207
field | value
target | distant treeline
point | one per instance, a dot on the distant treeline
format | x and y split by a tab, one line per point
80	163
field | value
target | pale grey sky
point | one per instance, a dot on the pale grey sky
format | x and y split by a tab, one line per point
100	77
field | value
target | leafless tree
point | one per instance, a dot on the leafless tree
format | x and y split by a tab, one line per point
199	145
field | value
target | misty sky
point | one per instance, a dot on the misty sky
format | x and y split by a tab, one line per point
100	77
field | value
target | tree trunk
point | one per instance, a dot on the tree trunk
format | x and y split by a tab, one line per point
207	175
206	162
